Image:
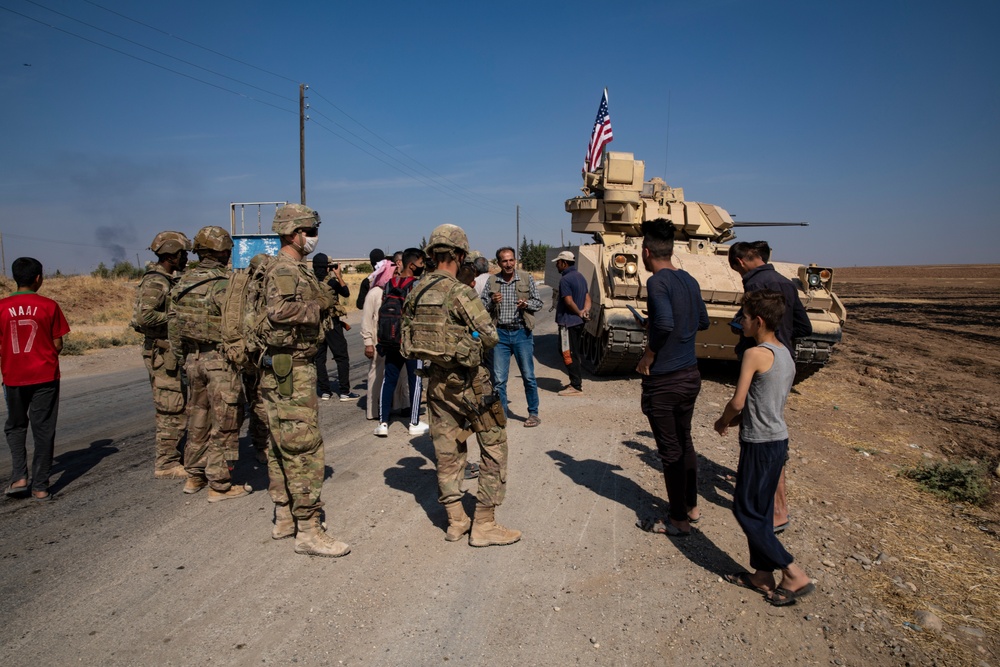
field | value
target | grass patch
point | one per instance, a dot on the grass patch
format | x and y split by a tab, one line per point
961	482
79	343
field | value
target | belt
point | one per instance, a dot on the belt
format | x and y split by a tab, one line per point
510	327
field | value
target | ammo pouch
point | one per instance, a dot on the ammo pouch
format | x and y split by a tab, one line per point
169	358
488	413
281	364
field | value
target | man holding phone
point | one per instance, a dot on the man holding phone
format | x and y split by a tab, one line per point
511	298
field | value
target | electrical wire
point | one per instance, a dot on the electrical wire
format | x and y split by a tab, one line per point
162	53
148	62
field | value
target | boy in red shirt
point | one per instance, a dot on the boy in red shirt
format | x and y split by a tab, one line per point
31	331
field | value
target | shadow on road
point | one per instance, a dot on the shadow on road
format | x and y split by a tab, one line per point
712	477
71	466
413	474
603	478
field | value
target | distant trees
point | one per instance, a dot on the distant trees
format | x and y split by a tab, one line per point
122	269
532	255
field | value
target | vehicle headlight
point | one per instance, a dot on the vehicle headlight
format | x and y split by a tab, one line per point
627	265
815	280
631	268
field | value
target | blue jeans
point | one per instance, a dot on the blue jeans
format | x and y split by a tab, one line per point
521	344
394	363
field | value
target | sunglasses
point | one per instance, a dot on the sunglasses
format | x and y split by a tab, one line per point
313	231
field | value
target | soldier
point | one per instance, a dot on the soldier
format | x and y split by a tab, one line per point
296	304
149	317
195	331
446	325
257	428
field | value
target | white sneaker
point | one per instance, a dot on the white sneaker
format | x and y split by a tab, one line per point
419	428
382	430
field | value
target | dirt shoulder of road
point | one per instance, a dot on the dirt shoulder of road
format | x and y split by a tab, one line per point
903	577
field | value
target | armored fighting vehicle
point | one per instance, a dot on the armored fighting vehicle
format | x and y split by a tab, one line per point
615	202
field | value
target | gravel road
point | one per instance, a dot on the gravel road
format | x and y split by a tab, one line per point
122	569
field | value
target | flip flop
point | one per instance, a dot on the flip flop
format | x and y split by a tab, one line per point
12	490
742	579
789	597
42	499
661	527
780	529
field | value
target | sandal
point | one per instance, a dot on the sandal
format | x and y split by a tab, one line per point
661	527
742	579
531	421
12	490
780	597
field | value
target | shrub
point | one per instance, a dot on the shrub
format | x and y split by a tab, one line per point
960	482
364	268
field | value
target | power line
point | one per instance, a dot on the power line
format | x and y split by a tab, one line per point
406	155
181	39
148	62
162	53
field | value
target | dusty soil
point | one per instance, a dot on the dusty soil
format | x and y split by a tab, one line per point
124	570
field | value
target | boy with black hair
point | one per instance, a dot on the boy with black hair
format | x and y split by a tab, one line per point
31	332
758	406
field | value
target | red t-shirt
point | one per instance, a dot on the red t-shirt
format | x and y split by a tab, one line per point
28	325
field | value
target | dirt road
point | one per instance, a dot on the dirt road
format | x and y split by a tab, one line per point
121	569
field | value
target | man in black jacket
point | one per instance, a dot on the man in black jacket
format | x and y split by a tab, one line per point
750	260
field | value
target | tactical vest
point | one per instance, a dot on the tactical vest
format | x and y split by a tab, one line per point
304	284
523	288
432	333
198	318
152	279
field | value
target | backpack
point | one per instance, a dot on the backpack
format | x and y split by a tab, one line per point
390	313
244	314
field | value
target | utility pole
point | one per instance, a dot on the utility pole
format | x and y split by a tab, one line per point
302	142
3	257
517	241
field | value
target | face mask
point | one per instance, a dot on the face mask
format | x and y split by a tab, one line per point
310	245
417	270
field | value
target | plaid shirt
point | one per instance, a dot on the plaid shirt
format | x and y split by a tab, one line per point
508	313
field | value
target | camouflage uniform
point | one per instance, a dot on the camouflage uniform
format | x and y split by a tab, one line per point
446	324
214	391
150	318
296	464
451	392
257	428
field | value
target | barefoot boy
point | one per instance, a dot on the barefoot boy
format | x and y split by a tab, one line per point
758	406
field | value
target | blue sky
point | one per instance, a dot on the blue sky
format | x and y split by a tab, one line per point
874	121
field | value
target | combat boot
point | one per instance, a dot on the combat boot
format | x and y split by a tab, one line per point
234	491
176	472
195	484
459	522
312	540
486	532
284	522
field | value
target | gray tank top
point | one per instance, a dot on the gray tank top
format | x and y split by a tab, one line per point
764	412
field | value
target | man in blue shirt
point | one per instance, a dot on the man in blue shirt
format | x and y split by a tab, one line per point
572	311
671	381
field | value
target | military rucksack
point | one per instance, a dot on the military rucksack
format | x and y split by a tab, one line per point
390	313
244	314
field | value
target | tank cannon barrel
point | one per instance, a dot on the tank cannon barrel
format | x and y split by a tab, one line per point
770	224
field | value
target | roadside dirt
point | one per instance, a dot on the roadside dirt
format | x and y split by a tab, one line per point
127	571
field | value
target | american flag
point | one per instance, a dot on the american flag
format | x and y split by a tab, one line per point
600	137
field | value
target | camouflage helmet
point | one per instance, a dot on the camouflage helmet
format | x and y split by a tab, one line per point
167	243
290	217
448	236
472	256
213	238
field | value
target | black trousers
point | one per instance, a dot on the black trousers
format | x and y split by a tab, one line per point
574	368
753	502
668	403
37	405
337	344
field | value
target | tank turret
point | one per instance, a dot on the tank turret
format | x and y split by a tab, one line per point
616	200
